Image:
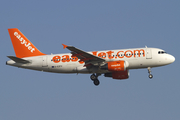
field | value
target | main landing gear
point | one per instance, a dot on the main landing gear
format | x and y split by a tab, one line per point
94	78
149	71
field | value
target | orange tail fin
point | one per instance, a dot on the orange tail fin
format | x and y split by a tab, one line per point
22	46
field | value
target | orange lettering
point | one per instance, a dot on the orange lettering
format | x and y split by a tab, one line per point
102	55
65	58
94	53
56	59
130	54
81	62
74	59
110	54
139	51
120	55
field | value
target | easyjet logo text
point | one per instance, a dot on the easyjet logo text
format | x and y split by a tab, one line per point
23	41
104	55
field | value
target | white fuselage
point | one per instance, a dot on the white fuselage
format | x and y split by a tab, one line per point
63	63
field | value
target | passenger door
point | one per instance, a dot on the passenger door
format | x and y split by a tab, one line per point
148	53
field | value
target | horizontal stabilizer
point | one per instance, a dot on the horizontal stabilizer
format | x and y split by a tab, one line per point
18	60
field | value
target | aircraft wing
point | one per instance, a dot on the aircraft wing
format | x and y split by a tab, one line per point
84	56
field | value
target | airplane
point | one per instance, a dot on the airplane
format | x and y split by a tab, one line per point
112	63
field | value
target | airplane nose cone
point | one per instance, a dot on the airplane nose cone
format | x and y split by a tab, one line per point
169	59
172	59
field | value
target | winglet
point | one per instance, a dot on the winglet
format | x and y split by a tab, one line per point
64	46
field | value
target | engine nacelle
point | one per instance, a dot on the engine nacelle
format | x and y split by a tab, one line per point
115	66
118	75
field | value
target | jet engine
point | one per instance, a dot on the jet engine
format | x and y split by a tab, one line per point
115	66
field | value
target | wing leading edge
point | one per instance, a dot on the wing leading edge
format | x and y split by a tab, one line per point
84	56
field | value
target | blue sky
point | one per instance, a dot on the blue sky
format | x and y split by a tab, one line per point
90	25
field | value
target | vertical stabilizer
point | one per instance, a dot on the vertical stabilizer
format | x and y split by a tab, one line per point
22	46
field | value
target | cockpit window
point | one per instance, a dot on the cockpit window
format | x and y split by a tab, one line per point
161	52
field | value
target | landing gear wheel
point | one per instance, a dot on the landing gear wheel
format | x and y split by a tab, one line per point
93	77
149	71
96	82
150	76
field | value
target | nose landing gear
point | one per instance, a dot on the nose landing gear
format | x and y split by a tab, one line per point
149	71
94	78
